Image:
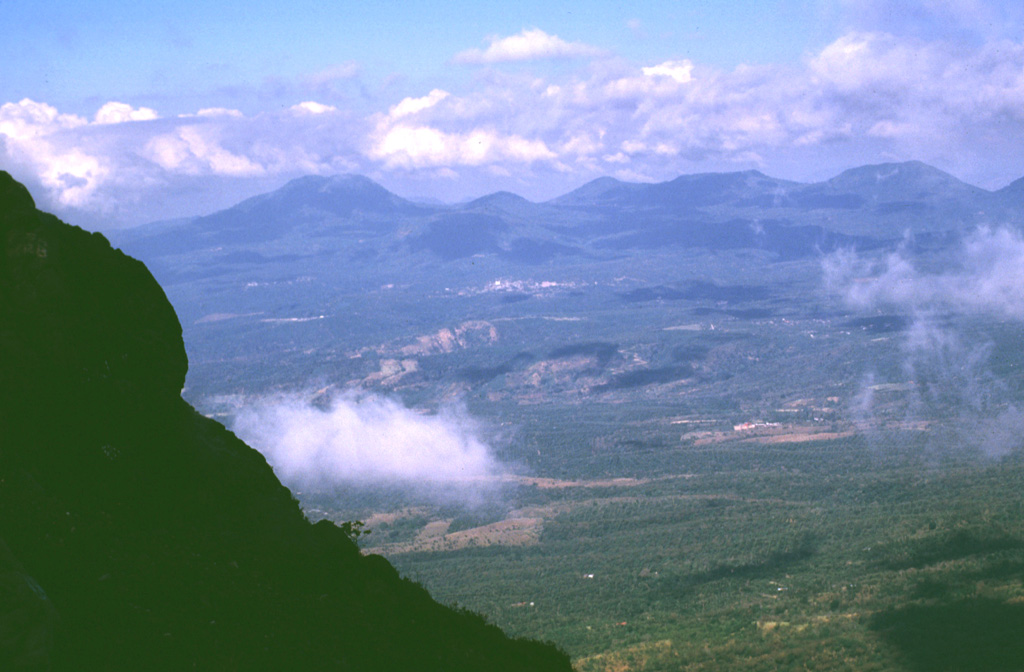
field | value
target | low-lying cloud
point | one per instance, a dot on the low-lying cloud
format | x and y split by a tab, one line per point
948	369
953	381
350	440
985	278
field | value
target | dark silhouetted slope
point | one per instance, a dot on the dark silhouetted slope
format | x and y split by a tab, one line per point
136	534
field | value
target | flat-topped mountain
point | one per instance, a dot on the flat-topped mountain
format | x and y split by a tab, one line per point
900	182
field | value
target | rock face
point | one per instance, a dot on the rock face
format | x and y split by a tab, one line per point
136	534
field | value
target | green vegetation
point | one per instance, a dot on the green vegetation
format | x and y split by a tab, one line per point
353	529
719	463
828	540
838	555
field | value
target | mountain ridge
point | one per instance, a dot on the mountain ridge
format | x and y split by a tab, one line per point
910	196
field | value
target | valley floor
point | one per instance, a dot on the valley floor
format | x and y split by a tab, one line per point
842	553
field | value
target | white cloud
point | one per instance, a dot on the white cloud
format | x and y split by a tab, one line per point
949	376
530	44
867	96
582	144
28	119
117	113
410	106
986	279
71	173
421	146
218	112
401	142
312	107
74	174
880	61
195	150
369	440
120	172
680	71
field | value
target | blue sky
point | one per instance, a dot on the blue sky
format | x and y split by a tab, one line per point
75	55
121	112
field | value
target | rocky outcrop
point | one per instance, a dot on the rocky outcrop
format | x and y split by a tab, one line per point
136	534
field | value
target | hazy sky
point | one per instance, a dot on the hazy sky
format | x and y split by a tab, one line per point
132	111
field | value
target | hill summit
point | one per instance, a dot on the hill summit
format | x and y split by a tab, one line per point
136	534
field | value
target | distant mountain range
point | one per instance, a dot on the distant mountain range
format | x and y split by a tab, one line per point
862	207
364	268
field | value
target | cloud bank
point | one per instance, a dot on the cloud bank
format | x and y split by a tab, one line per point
370	441
868	96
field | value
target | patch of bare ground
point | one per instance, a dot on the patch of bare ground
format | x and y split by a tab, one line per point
561	374
771	434
800	437
391	516
435	537
629	659
522	527
545	483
